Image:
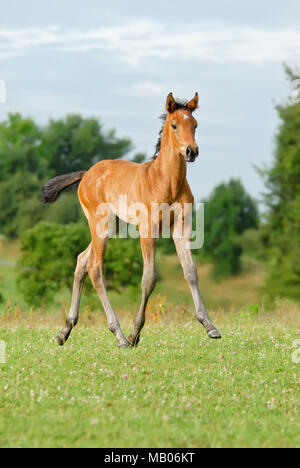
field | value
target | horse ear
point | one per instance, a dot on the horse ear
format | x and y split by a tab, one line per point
193	103
171	103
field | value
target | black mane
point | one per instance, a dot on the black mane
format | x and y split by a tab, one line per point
158	144
180	104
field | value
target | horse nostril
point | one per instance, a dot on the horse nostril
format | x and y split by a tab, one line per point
188	151
197	151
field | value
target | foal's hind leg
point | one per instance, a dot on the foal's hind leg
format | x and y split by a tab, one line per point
95	270
148	285
79	277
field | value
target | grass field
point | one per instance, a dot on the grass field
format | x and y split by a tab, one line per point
177	389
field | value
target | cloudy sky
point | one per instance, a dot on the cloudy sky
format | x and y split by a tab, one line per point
118	60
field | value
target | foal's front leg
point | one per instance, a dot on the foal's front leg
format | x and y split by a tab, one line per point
148	285
190	273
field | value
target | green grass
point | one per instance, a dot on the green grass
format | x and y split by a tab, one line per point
181	390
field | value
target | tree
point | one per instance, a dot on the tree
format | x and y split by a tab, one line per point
49	254
282	228
229	211
21	173
20	206
139	158
30	154
76	143
20	140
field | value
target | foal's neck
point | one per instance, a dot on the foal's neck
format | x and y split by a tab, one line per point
170	165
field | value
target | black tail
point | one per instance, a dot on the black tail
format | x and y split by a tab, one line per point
53	188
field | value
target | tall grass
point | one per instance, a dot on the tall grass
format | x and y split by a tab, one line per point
159	312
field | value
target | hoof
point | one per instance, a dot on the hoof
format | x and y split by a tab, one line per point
124	345
214	334
132	342
60	340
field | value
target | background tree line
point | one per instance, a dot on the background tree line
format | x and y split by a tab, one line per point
52	236
31	154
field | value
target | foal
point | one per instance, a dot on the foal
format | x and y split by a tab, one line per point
162	180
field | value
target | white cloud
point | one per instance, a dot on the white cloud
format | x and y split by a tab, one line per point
143	89
137	40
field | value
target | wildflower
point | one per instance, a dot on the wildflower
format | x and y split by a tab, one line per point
94	422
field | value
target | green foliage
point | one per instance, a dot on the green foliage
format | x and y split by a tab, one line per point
252	243
166	245
248	311
65	210
20	141
229	211
282	228
20	206
139	158
29	155
123	264
21	172
49	254
75	144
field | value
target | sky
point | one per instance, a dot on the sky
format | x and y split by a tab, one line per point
117	61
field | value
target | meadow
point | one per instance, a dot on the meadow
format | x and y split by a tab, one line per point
178	388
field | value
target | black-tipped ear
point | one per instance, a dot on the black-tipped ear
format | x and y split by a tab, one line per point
193	103
171	103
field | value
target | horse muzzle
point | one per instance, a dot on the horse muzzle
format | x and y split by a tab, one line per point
191	154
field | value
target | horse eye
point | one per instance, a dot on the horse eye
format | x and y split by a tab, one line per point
174	126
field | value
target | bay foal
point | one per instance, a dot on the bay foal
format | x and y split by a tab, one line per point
162	180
